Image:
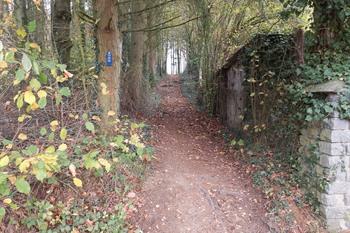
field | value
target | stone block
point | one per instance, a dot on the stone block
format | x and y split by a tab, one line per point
335	135
338	187
329	161
336	123
333	200
336	225
347	199
333	149
338	212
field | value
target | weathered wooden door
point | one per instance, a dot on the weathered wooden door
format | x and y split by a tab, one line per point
235	98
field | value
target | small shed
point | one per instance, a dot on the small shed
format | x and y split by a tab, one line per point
231	93
233	103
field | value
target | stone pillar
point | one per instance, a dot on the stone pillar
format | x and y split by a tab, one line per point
330	140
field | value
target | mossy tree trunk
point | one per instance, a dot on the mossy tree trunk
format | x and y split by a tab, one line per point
109	41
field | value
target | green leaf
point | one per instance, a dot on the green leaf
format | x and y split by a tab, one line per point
26	63
6	142
62	67
42	78
65	91
42	102
31	26
90	163
40	171
20	102
241	142
2	213
4	189
20	74
85	116
36	68
63	134
10	57
31	150
90	126
22	186
51	136
43	130
35	84
139	151
58	98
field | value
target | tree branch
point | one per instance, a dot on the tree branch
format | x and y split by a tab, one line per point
149	8
162	28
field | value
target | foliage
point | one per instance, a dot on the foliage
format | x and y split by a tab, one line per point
56	152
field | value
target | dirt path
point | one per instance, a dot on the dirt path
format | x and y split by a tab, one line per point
193	185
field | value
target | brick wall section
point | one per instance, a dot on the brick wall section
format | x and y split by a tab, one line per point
331	138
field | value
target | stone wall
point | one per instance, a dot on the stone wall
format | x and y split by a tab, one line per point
326	166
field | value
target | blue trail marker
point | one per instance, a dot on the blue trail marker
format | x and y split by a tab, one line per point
109	58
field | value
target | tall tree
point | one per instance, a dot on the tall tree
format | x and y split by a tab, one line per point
61	29
135	72
109	45
20	12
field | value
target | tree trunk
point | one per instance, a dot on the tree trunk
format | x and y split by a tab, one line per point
82	26
178	59
152	45
40	19
135	72
61	29
20	12
109	41
2	11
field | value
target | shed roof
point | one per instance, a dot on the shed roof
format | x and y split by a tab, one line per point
241	51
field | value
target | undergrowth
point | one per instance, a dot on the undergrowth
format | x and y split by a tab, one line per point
58	171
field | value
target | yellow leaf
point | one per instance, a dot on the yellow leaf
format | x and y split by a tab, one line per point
23	117
23	167
105	163
12	179
111	113
116	160
96	118
62	147
63	134
50	149
34	46
22	136
54	125
7	201
4	161
77	182
16	82
9	146
61	79
34	106
21	32
3	65
104	89
42	94
29	97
